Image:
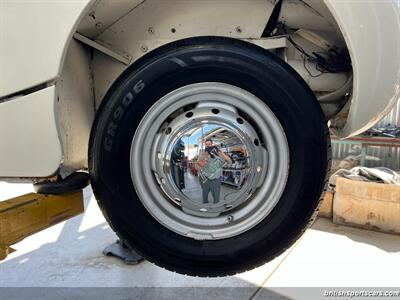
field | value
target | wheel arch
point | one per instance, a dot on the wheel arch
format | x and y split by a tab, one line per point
86	74
105	24
365	27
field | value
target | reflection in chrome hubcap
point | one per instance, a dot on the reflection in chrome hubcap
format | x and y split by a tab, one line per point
209	161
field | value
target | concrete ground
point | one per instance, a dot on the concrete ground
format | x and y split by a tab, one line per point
70	255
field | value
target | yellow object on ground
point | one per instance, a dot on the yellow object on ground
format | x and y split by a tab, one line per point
368	205
25	215
325	209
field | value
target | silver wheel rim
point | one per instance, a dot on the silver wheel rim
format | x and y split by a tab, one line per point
154	138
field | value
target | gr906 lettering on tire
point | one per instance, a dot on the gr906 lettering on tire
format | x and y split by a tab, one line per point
149	139
118	114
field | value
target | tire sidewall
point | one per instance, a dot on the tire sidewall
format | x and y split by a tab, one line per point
227	61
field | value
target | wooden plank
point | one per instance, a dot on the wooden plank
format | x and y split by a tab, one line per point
368	205
325	209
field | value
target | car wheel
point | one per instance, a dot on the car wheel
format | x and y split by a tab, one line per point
236	89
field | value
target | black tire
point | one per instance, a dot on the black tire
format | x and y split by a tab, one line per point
228	61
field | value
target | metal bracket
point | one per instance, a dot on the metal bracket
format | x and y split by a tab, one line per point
121	251
121	57
270	43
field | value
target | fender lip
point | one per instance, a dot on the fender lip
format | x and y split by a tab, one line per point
372	34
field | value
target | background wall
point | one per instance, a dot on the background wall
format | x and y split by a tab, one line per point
375	156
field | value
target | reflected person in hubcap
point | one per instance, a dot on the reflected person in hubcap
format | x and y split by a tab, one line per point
209	166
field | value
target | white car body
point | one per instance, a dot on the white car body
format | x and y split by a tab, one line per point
51	82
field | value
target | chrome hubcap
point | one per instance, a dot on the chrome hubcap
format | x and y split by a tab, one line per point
178	124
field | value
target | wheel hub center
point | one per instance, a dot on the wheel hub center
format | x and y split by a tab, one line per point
236	162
